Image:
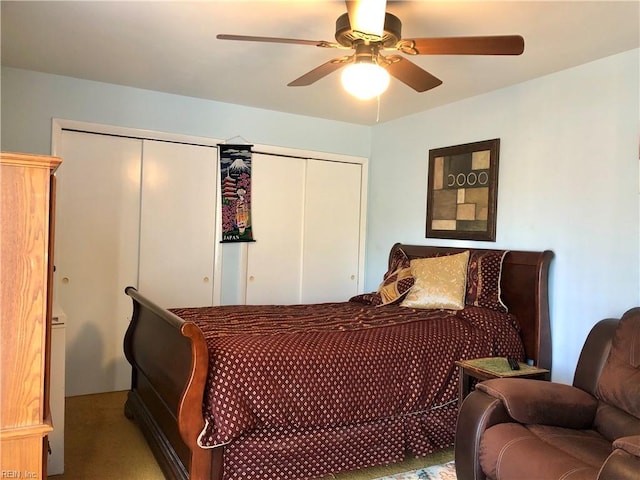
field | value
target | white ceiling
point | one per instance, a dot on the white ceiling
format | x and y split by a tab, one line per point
171	47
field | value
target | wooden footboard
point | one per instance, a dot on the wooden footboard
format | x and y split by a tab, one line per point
169	368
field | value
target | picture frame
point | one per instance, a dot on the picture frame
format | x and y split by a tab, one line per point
462	191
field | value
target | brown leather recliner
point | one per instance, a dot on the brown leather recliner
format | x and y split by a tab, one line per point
515	428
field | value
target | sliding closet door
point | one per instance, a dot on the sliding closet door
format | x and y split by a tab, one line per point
306	217
96	255
331	231
177	223
277	208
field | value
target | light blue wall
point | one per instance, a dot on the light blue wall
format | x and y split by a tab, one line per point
569	178
568	181
30	100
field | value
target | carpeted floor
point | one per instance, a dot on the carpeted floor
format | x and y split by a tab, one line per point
102	444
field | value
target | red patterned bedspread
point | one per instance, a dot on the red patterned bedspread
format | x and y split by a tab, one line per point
324	365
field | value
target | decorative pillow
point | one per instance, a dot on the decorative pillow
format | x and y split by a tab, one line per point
483	280
440	282
398	280
398	260
396	285
373	298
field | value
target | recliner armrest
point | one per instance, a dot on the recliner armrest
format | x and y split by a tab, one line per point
541	402
630	444
479	411
624	461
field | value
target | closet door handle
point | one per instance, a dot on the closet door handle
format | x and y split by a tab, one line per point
205	279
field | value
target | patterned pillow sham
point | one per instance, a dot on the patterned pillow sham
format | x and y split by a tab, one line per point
398	260
398	280
372	298
395	284
440	282
483	280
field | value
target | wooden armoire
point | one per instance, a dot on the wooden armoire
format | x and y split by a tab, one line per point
26	233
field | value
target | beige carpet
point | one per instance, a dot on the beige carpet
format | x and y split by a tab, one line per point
102	444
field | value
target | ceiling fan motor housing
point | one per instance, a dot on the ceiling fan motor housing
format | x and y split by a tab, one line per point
346	36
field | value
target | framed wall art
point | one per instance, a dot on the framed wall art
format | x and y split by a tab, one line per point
462	192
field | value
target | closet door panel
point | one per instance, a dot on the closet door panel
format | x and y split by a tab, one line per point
277	204
331	231
96	255
177	223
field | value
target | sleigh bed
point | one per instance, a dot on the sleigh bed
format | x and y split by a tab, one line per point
303	391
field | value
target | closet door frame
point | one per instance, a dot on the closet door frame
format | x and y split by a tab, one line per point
58	125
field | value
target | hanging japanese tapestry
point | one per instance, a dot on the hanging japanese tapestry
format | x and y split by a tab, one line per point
235	177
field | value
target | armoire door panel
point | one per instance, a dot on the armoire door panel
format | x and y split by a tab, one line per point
331	231
97	225
277	203
177	226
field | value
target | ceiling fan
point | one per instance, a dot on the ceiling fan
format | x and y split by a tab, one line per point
369	30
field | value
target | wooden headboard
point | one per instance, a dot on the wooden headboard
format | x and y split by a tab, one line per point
525	292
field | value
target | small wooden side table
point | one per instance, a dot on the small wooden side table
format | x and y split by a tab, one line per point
480	369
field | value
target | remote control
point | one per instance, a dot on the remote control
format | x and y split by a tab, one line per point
513	363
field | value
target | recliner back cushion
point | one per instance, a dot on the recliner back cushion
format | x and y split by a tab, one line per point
619	383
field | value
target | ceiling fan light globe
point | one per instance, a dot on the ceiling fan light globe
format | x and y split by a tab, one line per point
365	80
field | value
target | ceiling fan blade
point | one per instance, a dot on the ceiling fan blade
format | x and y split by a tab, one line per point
249	38
320	72
489	45
367	16
410	73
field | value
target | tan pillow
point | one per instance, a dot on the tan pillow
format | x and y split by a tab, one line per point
440	282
